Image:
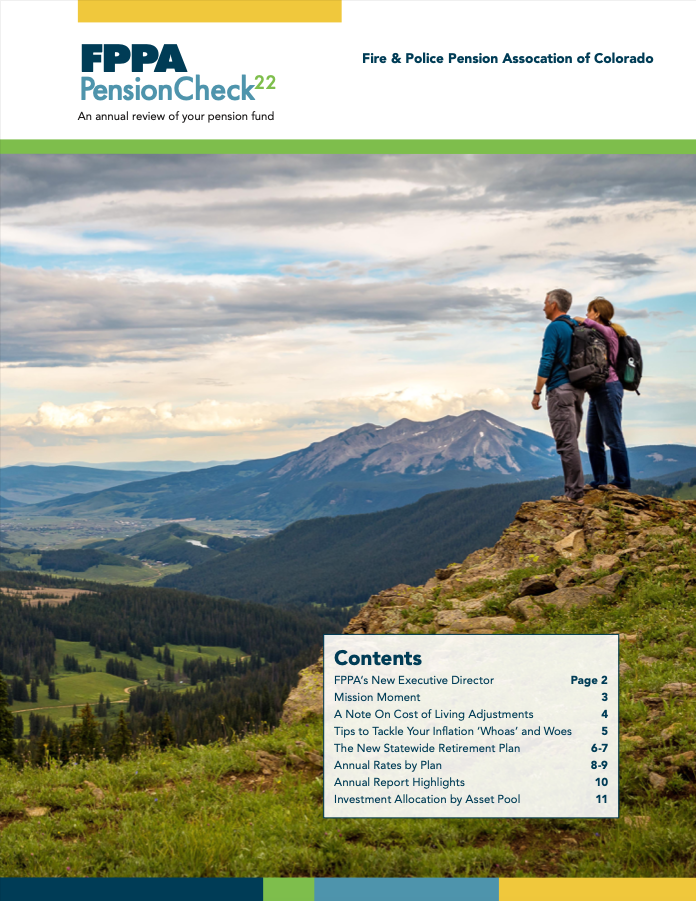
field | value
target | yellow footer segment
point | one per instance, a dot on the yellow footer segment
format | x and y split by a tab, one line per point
596	889
209	11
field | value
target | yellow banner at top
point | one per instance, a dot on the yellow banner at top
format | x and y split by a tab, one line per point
209	11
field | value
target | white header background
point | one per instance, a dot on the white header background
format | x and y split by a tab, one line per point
325	91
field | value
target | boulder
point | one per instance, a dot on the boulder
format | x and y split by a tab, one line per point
638	822
679	759
474	623
658	782
96	791
268	761
307	697
474	606
661	532
526	608
565	598
447	617
571	575
572	546
596	538
678	688
537	585
605	561
669	733
612	581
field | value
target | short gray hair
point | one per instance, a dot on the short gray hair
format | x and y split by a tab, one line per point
562	298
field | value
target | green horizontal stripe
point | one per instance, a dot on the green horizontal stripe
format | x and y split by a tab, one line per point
288	889
348	146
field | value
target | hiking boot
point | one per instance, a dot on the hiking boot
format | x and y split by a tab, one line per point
564	499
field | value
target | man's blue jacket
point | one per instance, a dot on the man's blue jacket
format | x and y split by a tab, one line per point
555	352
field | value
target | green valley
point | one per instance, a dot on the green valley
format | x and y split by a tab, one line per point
139	559
342	560
251	804
85	688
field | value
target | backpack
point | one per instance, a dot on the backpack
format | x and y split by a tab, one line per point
629	363
589	358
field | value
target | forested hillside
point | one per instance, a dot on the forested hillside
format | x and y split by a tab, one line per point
343	560
188	697
124	618
171	543
78	560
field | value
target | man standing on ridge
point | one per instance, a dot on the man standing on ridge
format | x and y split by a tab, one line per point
564	401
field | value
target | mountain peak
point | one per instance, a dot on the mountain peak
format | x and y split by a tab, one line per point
475	440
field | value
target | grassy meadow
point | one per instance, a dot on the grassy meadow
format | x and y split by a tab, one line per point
253	807
85	688
22	527
145	574
228	810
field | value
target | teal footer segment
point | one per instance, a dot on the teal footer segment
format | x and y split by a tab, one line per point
406	889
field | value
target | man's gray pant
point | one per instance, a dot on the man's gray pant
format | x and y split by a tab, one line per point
565	414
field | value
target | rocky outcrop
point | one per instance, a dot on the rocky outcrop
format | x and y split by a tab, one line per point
307	698
553	555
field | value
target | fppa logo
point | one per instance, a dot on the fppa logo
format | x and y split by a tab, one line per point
139	55
109	56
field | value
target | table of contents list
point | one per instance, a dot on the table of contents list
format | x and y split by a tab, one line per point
471	725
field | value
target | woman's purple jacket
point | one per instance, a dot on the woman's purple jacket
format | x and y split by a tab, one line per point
612	340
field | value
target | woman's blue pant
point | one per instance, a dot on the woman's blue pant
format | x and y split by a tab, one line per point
604	427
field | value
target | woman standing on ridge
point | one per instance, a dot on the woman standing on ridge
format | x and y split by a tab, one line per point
604	414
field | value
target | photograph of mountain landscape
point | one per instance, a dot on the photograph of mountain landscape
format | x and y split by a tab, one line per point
252	400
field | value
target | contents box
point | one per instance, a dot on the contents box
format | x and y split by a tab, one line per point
471	725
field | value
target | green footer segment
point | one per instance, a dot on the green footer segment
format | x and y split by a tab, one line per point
165	146
288	889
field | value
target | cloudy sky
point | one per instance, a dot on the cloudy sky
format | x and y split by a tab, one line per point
229	307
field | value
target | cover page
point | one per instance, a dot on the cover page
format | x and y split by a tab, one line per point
348	481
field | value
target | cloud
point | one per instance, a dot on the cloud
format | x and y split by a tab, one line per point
105	421
569	221
685	333
97	419
628	313
458	183
76	318
623	265
422	336
413	403
359	265
64	242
